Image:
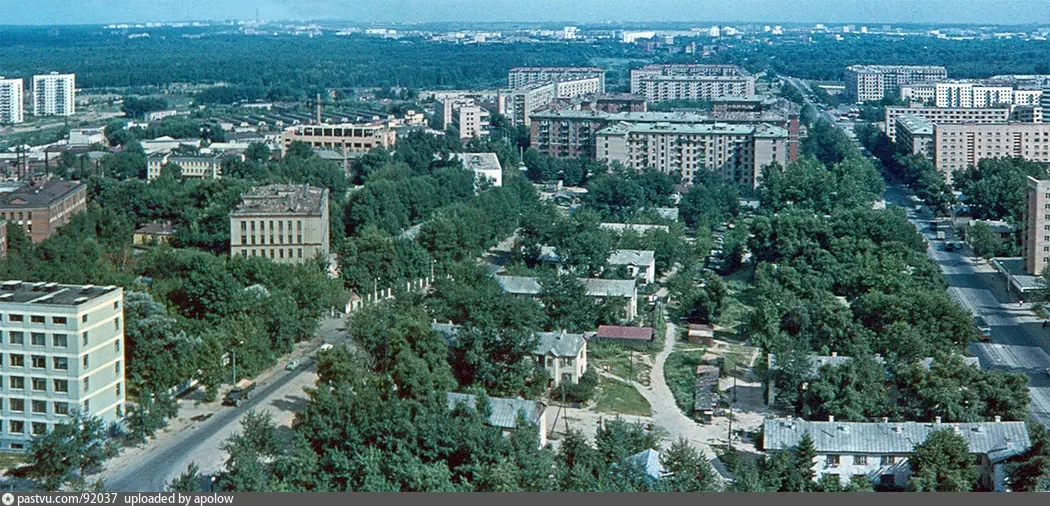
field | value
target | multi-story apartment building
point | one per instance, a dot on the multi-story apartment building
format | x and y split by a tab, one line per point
53	94
865	83
968	94
471	121
659	83
622	102
11	101
943	116
572	88
736	152
62	349
916	134
571	134
518	104
878	452
958	147
344	137
519	77
283	222
43	206
193	167
1035	241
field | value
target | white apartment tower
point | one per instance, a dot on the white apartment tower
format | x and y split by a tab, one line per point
11	94
53	94
61	349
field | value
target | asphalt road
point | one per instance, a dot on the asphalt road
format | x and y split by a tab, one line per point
1018	343
153	471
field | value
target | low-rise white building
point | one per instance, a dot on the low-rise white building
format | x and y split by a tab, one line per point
486	167
640	263
879	451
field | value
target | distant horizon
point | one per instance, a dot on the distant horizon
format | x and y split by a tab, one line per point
872	12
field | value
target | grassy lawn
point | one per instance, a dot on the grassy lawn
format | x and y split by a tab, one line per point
11	460
617	397
680	375
616	359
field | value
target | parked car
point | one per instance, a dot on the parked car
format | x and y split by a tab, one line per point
240	392
293	365
983	327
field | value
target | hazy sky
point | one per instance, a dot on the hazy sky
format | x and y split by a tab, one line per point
855	11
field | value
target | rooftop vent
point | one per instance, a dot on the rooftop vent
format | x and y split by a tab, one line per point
897	428
38	286
936	419
11	284
80	300
6	296
86	288
50	286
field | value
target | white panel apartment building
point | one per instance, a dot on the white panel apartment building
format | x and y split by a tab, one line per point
968	94
658	83
53	94
283	222
11	101
865	83
737	152
520	77
62	349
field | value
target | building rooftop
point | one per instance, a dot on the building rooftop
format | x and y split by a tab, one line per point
53	294
649	462
706	396
530	285
998	440
156	228
885	68
504	411
31	197
623	128
819	361
479	162
560	69
282	199
916	125
624	332
634	227
631	257
559	344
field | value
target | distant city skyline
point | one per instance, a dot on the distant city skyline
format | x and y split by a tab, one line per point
56	12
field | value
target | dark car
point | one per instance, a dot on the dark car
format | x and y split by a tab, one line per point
239	393
983	327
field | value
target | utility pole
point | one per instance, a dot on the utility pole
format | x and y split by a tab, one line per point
234	352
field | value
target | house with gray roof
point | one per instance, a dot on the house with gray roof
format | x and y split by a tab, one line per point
506	413
640	264
562	354
648	461
817	362
599	289
879	451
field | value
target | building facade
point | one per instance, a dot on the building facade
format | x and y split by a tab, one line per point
471	121
486	167
944	116
285	223
42	207
519	77
53	94
878	452
62	350
345	137
1035	239
957	147
968	94
518	104
659	83
866	83
193	167
12	99
916	134
736	152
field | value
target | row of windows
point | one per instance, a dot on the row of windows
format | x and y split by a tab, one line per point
262	225
57	385
274	253
55	320
16	337
36	406
262	239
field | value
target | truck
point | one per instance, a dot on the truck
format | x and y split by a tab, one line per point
240	392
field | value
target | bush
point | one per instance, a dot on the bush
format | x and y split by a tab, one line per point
584	390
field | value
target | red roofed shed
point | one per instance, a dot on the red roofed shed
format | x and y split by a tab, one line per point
626	335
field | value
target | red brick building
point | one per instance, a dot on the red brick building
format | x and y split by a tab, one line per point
41	207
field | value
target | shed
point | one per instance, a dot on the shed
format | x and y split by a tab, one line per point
640	336
707	397
701	334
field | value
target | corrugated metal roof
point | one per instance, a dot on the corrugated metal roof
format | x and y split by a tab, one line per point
504	411
631	257
529	285
623	332
998	440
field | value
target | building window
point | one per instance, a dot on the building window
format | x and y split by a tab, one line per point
36	319
86	361
888	460
87	384
116	345
116	323
17	360
118	389
61	408
59	341
85	335
300	252
833	460
39	385
18	383
39	429
61	386
17	405
16	427
38	339
87	406
58	320
116	367
116	304
83	319
860	460
16	338
39	407
15	317
60	363
38	362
